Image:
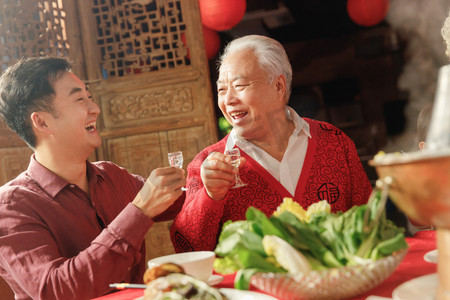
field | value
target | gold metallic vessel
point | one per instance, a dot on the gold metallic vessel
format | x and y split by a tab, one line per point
419	184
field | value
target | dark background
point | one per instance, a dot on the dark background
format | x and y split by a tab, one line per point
344	73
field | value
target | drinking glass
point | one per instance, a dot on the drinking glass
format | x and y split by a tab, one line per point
176	160
235	155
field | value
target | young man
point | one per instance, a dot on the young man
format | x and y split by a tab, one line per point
286	155
69	227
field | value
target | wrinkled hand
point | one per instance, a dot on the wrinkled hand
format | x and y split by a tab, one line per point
218	175
160	190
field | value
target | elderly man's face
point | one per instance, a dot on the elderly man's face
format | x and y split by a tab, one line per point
246	98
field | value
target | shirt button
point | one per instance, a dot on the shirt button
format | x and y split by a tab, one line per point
72	186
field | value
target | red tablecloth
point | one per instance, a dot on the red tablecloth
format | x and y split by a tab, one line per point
412	266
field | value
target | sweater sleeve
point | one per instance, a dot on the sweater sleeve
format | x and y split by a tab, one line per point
196	227
359	182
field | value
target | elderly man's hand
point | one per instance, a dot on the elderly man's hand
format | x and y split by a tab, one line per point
218	175
160	190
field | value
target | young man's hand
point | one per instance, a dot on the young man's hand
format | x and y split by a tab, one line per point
160	190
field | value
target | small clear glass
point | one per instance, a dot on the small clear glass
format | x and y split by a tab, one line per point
235	155
176	160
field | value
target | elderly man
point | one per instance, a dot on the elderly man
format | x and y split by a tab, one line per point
69	227
283	155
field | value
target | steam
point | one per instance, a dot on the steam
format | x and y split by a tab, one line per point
418	23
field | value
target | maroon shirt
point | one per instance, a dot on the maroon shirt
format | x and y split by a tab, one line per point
53	244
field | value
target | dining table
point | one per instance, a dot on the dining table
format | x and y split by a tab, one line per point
412	266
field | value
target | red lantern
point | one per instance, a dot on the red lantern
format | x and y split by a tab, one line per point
212	42
367	12
221	15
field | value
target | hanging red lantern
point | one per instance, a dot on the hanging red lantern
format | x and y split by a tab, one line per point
367	12
212	42
221	15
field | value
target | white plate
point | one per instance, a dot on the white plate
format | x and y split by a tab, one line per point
233	294
420	288
431	256
214	279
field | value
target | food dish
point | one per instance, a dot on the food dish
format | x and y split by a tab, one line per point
233	294
180	286
198	264
420	288
335	283
161	271
431	256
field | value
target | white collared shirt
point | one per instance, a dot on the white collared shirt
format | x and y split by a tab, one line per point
287	171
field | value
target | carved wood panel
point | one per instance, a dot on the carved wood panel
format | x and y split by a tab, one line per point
13	161
142	153
147	105
140	35
148	71
24	29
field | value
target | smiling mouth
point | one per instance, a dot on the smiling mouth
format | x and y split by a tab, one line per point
91	126
238	114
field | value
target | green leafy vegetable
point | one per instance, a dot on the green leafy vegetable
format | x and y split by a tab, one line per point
326	240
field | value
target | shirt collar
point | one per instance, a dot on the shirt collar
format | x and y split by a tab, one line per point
50	182
301	127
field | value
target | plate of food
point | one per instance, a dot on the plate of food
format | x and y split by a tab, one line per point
182	286
313	254
168	280
335	283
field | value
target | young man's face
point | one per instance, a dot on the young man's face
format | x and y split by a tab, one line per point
73	123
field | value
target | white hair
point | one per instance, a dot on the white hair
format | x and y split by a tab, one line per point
270	54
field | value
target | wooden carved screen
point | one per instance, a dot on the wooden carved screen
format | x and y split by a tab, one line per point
27	28
146	67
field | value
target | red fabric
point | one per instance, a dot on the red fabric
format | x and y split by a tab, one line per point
412	266
332	171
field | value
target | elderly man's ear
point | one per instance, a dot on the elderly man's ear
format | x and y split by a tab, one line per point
281	86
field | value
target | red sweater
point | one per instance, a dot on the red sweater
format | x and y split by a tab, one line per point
332	171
